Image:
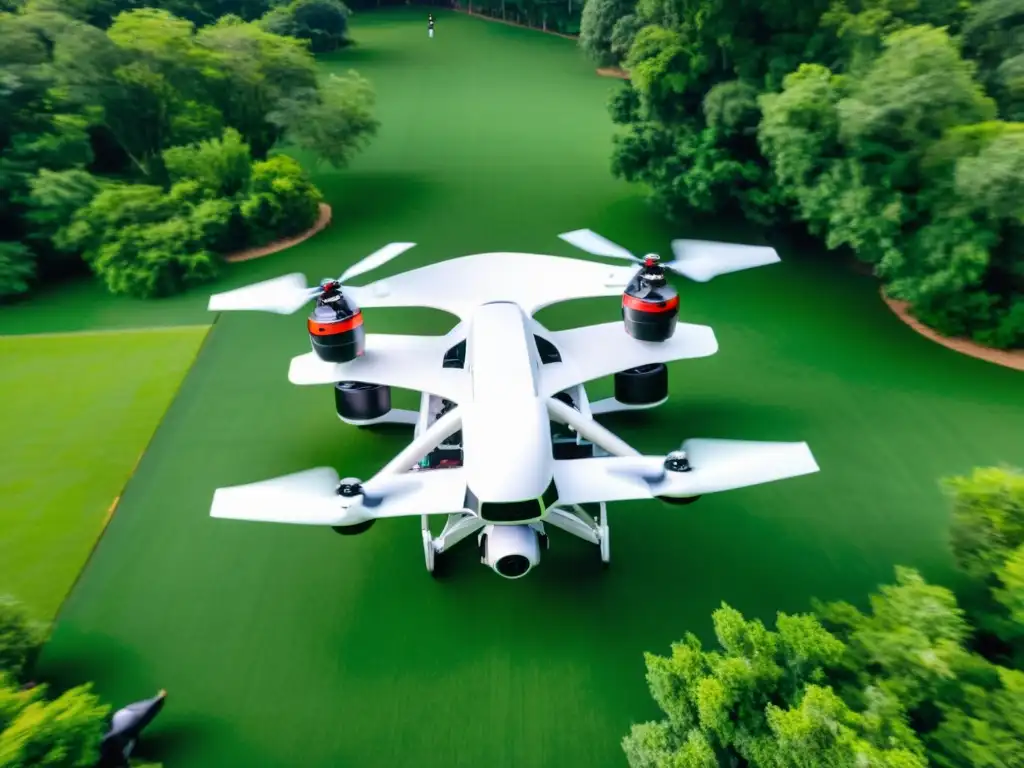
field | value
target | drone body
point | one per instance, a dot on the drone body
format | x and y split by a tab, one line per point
505	441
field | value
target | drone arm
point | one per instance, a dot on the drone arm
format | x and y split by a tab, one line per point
589	429
424	443
618	352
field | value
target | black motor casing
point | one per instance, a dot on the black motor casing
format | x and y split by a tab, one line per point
645	385
336	331
360	401
650	309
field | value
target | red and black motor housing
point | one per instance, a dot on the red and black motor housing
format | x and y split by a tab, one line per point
336	327
650	306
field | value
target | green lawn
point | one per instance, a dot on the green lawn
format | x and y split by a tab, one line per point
285	646
77	412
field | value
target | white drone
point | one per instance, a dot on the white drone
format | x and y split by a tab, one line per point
505	442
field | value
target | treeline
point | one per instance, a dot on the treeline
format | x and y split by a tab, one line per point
887	128
562	16
137	143
915	680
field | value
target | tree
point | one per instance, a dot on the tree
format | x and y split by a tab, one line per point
324	23
760	700
61	733
17	268
334	121
597	24
281	200
221	166
987	537
20	637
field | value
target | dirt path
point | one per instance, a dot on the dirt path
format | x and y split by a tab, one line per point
1005	357
279	245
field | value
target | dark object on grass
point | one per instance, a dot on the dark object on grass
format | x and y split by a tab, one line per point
126	726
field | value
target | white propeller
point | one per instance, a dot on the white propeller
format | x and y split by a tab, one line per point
699	260
723	465
308	498
286	295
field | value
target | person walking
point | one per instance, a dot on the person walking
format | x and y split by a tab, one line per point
430	25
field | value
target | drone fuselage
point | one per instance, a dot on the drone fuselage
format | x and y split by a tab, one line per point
506	429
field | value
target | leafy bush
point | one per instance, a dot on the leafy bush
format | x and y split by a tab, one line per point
324	23
281	200
17	268
20	637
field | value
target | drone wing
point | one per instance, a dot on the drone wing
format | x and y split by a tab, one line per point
458	286
407	362
309	498
717	465
600	350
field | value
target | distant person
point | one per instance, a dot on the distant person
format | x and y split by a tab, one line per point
430	25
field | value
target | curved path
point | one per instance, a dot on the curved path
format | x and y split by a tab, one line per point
279	245
1010	358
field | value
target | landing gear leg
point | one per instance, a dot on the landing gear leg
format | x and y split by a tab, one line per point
429	553
605	545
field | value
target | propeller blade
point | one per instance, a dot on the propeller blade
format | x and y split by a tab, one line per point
307	498
376	259
591	242
702	260
723	465
303	498
282	295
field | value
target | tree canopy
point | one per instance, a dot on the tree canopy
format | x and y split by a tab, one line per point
886	128
142	150
903	683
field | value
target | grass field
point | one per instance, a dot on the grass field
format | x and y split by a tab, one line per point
77	412
287	646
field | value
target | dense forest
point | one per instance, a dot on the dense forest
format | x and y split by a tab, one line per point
886	128
915	680
143	143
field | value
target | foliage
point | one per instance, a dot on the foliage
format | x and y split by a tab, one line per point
59	733
145	241
988	544
280	202
17	268
597	26
874	123
893	687
900	684
154	100
323	22
334	121
761	701
20	637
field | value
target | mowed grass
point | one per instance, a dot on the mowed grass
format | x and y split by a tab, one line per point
285	646
77	412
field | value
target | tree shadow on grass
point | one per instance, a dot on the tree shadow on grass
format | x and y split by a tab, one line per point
357	55
363	200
